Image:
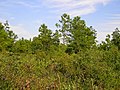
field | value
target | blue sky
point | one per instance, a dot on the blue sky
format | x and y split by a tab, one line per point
25	16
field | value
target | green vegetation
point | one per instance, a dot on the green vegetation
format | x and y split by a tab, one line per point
67	59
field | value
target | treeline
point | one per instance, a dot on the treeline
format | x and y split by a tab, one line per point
66	59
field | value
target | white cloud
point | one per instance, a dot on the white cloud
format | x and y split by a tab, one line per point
38	22
108	26
27	4
13	3
85	11
2	20
102	35
74	7
21	31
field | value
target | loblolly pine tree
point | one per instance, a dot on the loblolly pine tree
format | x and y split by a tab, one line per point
112	40
44	39
7	37
56	38
116	38
64	26
77	33
82	36
105	45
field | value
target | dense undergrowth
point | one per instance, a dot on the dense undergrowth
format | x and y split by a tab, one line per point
90	70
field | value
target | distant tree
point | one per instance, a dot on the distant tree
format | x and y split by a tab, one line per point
111	40
56	38
64	26
82	37
36	44
11	34
22	46
76	34
106	45
116	38
44	39
7	37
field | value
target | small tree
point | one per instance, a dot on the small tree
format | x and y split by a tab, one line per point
7	37
116	38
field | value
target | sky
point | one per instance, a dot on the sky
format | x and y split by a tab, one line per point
26	16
